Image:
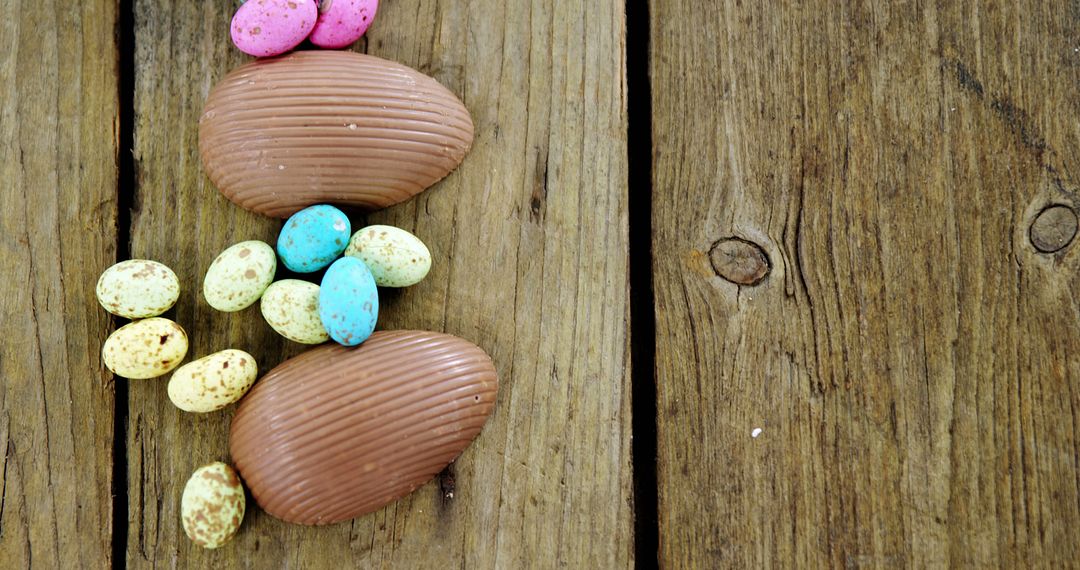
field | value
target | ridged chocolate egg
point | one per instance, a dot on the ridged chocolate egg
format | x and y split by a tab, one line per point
339	432
312	127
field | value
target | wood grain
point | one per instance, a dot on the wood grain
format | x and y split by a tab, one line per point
529	238
911	358
58	167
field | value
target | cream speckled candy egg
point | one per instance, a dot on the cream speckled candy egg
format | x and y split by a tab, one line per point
395	257
212	382
212	506
145	349
238	277
291	307
138	288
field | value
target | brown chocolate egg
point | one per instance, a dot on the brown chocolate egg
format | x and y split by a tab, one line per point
312	127
339	432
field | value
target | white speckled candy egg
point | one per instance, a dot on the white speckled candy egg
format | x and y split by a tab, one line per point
238	277
212	382
212	506
291	307
395	257
146	348
138	288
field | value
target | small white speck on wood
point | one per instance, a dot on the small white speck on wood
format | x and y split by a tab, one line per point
756	432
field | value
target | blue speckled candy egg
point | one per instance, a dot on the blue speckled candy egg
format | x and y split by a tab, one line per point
348	301
313	238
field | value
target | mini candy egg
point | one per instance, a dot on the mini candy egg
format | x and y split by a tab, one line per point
395	257
291	307
145	349
342	22
348	301
138	288
212	382
212	505
264	28
313	238
238	277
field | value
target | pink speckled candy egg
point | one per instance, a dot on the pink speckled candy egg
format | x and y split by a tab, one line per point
342	22
265	28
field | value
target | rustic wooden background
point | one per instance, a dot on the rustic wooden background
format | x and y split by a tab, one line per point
842	233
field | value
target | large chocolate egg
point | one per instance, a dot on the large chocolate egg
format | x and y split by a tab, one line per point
278	135
338	432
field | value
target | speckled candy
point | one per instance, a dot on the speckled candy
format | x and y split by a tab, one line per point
291	308
145	349
395	257
212	382
238	277
265	28
212	506
313	238
138	288
342	22
348	301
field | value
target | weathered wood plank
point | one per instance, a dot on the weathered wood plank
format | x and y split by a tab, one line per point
58	164
910	359
530	245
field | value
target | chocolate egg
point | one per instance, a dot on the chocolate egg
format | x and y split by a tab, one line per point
333	127
339	432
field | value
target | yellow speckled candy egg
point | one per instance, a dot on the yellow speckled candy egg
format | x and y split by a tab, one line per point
395	257
212	382
138	288
291	307
212	506
145	349
238	277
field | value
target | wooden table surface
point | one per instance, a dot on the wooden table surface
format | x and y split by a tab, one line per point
768	284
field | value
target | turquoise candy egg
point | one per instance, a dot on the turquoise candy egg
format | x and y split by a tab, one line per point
348	301
313	238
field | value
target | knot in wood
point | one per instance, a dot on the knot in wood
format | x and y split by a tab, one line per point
739	261
1053	229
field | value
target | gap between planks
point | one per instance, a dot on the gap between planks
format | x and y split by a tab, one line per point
126	186
642	316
